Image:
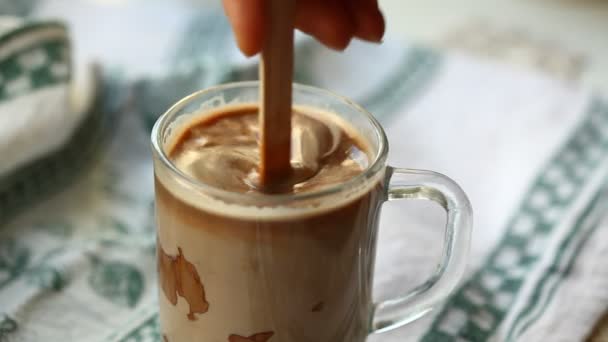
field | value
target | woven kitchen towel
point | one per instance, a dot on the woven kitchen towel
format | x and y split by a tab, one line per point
44	113
531	152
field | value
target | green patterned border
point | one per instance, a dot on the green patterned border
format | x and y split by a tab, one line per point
145	332
415	73
29	27
43	177
7	327
199	60
561	264
42	62
33	68
479	307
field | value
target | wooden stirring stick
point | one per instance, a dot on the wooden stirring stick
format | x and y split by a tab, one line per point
276	74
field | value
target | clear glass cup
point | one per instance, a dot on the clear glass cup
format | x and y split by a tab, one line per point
289	267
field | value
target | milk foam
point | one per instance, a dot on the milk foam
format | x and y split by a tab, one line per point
230	163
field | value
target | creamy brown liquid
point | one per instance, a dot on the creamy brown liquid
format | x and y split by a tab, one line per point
222	151
286	279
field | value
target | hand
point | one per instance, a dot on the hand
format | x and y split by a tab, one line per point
333	22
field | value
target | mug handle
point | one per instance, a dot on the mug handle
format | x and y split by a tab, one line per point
419	184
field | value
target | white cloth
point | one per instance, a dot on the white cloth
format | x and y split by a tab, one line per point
80	266
31	114
498	132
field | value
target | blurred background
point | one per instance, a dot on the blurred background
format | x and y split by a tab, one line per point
562	37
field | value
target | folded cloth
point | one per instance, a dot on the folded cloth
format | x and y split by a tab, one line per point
531	152
42	113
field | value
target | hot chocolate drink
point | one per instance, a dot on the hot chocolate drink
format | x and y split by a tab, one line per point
287	256
238	264
222	151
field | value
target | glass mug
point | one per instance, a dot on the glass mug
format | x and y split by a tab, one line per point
289	267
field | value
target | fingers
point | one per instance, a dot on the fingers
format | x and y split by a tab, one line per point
333	22
330	21
247	20
369	20
336	22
